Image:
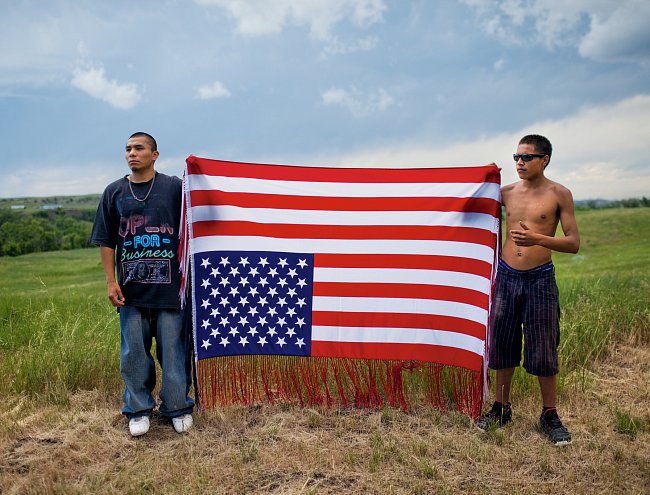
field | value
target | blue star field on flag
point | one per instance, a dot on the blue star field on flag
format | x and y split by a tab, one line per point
253	303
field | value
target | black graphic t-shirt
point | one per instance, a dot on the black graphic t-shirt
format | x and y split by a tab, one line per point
144	235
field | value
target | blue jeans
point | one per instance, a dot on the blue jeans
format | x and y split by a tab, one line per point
138	328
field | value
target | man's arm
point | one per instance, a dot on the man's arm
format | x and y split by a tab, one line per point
108	261
570	243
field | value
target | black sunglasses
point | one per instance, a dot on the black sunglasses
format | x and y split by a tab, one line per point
527	156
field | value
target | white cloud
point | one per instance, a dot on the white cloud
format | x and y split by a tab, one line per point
40	45
212	91
59	179
171	165
600	152
623	36
603	30
356	102
94	82
30	41
56	179
263	17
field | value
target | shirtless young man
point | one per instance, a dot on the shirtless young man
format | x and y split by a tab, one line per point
526	296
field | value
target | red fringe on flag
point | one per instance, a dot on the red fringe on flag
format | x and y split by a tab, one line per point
337	382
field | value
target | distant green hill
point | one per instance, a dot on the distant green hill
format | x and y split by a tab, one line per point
32	225
591	204
37	224
88	201
92	200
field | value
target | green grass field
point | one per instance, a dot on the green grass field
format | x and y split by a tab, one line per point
61	431
604	288
59	334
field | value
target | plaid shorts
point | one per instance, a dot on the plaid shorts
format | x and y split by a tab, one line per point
526	303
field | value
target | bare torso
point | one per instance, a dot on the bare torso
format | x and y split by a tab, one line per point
539	210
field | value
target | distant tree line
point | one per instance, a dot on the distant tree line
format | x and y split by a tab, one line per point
23	232
591	204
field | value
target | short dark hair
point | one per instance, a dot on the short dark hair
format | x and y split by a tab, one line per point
152	141
541	144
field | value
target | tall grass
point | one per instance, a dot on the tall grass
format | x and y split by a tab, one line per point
604	290
54	345
605	310
59	334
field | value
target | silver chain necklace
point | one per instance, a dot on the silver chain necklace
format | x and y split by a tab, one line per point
148	192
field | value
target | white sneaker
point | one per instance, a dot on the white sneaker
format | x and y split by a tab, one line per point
182	423
139	426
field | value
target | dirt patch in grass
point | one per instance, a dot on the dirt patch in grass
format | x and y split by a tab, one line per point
86	448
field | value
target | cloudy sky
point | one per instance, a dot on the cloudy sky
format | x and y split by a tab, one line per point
324	82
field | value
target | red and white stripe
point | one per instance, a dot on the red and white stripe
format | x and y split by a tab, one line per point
403	258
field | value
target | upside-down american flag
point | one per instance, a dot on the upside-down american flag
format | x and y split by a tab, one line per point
324	285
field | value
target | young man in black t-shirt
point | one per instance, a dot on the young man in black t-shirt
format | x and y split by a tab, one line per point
136	227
